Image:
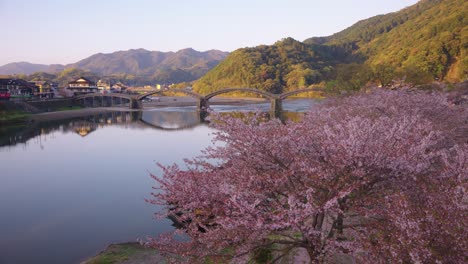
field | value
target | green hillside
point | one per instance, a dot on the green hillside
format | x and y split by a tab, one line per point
421	43
431	36
287	63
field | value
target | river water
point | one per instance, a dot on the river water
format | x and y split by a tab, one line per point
69	188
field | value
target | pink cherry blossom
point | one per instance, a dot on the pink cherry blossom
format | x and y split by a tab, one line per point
380	177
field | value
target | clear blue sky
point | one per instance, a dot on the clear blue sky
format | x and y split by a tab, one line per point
65	31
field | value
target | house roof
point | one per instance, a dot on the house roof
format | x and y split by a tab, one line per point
19	82
82	80
119	84
5	81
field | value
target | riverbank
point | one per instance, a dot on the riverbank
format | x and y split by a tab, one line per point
126	253
11	115
8	118
65	114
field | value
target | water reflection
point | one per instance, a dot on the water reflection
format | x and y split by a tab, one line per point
80	184
171	120
83	126
10	136
166	119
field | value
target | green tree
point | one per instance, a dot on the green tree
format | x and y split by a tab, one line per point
352	76
413	76
384	74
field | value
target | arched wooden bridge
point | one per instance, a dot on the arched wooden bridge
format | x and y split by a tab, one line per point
107	100
135	101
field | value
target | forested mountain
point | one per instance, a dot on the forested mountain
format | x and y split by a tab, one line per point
421	43
431	36
134	66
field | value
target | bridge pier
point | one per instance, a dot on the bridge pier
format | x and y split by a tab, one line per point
276	107
114	117
202	104
135	104
136	115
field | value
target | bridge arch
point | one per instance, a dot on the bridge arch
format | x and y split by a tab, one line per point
189	93
115	95
291	93
106	100
228	90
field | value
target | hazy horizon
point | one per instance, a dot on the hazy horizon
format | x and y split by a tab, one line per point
63	32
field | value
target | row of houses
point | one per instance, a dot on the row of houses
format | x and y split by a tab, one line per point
22	88
19	88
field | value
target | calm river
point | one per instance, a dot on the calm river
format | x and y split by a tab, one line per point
69	188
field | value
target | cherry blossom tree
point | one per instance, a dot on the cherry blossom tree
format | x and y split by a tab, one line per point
377	176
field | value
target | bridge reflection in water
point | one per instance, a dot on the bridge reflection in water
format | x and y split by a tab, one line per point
83	126
168	120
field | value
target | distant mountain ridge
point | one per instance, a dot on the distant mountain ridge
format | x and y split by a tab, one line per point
144	62
183	65
28	68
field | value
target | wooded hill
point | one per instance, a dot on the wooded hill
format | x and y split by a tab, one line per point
419	44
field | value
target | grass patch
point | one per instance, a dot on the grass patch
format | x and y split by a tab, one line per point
117	253
13	117
262	255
